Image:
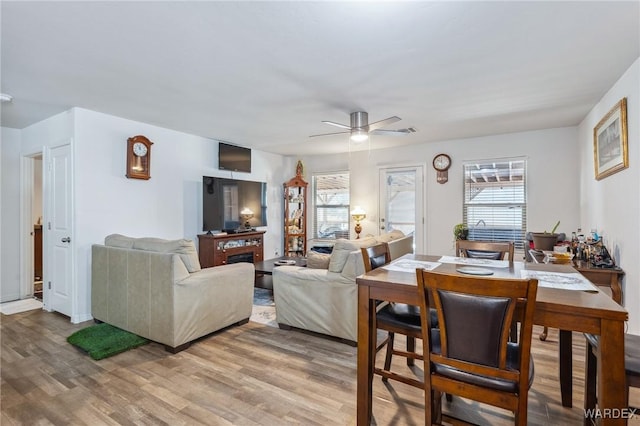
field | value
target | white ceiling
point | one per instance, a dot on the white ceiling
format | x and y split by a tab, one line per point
265	74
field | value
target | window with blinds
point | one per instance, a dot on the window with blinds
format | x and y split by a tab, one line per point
495	200
330	205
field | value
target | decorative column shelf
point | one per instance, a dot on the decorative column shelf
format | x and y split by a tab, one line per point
295	215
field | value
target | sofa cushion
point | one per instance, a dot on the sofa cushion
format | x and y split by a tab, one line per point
118	240
317	260
354	266
341	250
185	248
389	236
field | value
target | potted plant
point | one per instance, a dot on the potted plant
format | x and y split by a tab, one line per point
460	231
545	240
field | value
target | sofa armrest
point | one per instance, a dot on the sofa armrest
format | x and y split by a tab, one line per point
133	290
354	266
298	274
211	299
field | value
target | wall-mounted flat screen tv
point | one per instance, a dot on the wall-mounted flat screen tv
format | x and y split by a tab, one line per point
234	158
224	201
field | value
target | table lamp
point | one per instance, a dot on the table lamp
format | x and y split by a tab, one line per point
246	214
358	214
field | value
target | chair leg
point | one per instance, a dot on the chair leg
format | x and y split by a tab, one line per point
591	371
387	358
428	407
521	415
436	408
545	332
566	367
411	347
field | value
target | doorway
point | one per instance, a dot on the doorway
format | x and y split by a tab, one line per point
51	204
402	202
32	213
36	220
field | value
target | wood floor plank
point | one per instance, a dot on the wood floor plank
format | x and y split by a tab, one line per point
247	375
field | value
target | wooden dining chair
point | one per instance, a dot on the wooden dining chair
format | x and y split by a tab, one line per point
394	318
470	354
631	368
493	250
496	250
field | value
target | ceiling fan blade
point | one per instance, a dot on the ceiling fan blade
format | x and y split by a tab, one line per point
342	126
382	123
398	132
329	134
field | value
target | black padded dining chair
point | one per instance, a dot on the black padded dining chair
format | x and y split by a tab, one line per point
470	354
494	250
394	318
631	368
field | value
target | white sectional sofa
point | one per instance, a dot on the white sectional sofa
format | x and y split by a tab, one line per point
156	289
326	300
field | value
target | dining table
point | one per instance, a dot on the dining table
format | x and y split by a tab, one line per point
588	311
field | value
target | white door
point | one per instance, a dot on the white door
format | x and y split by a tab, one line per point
402	202
58	262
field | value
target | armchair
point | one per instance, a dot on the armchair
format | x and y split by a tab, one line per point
156	289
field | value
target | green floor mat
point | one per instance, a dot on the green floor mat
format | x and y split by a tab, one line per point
104	340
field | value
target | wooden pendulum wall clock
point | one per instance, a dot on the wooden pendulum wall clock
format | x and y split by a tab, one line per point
441	163
139	157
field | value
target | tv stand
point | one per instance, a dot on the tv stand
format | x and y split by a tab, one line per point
216	250
242	231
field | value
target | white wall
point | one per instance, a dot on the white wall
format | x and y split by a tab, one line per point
612	205
9	214
166	206
52	132
552	179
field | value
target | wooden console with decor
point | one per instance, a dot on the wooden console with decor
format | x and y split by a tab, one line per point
216	250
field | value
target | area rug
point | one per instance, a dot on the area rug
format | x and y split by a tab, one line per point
104	340
264	309
17	306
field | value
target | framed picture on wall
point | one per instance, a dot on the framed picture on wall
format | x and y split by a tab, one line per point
610	153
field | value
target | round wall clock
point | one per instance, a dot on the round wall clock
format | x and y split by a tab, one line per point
139	157
441	163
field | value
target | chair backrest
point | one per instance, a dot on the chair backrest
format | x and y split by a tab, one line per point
485	249
475	316
375	256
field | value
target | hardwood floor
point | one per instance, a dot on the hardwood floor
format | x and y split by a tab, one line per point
247	375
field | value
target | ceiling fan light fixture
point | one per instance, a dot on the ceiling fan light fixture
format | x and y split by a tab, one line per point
5	98
358	136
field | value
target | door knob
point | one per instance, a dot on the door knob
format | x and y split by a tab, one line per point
66	240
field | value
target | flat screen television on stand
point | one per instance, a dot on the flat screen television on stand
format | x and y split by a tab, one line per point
232	205
234	158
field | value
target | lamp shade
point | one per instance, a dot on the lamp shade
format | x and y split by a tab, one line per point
358	213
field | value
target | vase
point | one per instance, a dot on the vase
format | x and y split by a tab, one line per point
544	241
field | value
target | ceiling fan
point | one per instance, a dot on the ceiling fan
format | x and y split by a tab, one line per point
360	127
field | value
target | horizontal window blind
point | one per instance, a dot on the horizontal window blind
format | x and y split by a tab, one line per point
330	205
495	206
